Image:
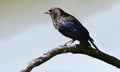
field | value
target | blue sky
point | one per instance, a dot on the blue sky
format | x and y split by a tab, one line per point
26	33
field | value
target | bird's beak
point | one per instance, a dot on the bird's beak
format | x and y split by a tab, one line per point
47	12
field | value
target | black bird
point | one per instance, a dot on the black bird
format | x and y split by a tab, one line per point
70	27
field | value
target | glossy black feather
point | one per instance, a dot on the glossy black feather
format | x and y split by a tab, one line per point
70	27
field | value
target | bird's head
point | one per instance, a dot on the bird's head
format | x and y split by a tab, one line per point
55	12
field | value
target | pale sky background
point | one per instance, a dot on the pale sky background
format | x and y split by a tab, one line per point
26	33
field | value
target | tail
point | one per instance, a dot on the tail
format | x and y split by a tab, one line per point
92	42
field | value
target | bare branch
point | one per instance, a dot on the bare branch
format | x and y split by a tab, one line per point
76	49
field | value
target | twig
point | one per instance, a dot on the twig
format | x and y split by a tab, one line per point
75	49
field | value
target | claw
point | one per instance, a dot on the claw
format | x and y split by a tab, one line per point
71	41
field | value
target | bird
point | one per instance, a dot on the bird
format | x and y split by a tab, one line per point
70	27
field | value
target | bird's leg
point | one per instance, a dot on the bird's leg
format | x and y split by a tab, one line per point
71	41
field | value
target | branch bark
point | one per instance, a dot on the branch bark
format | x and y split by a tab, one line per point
75	49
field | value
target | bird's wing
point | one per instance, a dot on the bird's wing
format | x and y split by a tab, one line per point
72	28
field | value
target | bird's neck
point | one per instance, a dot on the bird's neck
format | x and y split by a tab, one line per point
64	14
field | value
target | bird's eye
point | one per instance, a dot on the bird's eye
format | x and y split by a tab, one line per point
50	10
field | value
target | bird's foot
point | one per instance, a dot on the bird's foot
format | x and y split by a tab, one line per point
69	42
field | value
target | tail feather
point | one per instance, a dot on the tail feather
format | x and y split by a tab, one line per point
91	39
92	42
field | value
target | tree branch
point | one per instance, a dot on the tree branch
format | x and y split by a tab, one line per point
75	49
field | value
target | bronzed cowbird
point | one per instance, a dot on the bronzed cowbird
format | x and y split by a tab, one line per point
70	27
